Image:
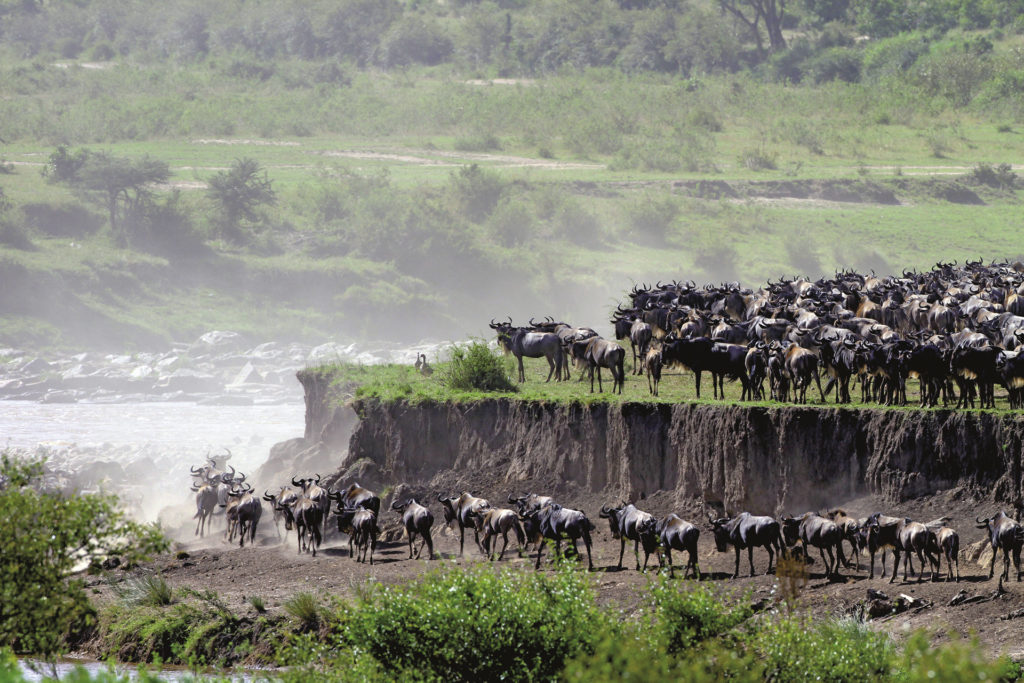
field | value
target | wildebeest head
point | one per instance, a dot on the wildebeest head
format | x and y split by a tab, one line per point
721	531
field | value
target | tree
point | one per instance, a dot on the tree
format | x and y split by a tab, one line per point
238	193
121	185
45	535
752	12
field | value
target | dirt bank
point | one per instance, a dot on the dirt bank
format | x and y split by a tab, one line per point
755	458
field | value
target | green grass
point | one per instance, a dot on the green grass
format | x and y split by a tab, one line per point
403	383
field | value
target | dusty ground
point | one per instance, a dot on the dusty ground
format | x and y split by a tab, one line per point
274	571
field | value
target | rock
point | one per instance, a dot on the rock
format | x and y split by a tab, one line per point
142	372
247	375
189	381
221	340
36	366
60	397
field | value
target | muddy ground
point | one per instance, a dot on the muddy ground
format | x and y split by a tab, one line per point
274	571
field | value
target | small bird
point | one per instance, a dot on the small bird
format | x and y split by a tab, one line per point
423	366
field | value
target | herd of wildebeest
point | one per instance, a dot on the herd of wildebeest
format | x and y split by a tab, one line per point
305	506
958	329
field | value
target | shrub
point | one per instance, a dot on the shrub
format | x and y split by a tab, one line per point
478	624
148	590
61	220
956	661
998	176
794	649
39	605
477	368
689	615
15	235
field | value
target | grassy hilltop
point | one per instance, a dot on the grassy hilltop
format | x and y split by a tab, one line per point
423	191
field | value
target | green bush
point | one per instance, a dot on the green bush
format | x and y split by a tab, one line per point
691	614
47	534
919	662
477	368
796	649
478	624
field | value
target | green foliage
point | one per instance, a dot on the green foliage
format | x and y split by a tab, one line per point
476	191
920	662
478	624
238	194
1001	176
688	615
477	368
795	649
47	534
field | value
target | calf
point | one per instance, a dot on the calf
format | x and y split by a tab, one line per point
849	528
747	531
652	363
494	521
821	532
944	541
1008	535
677	534
628	522
417	519
879	534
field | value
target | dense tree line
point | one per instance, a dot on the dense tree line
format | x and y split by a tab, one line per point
824	38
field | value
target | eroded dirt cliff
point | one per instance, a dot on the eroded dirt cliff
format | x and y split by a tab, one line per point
755	458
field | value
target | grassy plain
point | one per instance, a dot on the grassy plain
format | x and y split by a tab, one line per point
586	183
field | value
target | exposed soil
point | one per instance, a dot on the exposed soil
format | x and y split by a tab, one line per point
274	571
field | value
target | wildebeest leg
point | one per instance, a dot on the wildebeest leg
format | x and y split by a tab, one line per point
373	546
600	388
462	540
504	535
522	373
586	542
693	561
540	550
430	545
551	367
668	558
696	374
622	549
992	565
750	558
411	537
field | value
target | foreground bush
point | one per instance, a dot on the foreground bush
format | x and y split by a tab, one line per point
478	624
45	534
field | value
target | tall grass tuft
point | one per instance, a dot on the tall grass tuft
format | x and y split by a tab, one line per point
477	368
304	608
151	591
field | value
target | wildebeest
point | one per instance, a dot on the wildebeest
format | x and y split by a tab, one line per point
1006	534
206	503
417	519
248	511
652	364
628	522
596	353
557	523
285	496
361	526
944	541
849	528
520	341
905	536
357	496
678	534
307	517
821	532
321	497
494	521
458	509
879	533
747	531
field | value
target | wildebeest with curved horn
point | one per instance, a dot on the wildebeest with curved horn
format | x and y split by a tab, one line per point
596	353
494	521
557	523
520	341
628	522
677	534
459	509
821	532
747	531
1006	534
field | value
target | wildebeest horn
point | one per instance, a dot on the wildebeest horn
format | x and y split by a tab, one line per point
229	452
317	475
395	505
297	483
267	496
532	324
605	512
511	499
440	497
232	471
196	470
334	495
979	520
